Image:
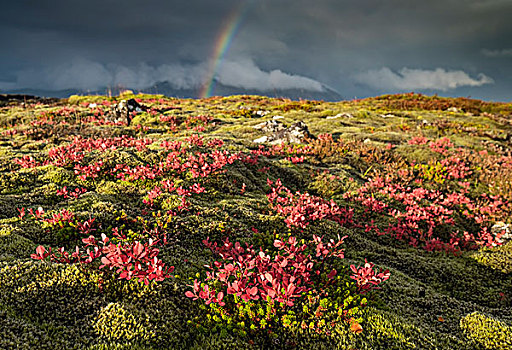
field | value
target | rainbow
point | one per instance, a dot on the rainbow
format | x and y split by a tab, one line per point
222	45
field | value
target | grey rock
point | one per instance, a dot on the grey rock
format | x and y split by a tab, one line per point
295	133
125	108
270	126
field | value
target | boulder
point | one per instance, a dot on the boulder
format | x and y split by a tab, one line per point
125	109
295	133
270	126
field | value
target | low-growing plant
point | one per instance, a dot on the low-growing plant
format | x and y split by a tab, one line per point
128	259
291	285
300	209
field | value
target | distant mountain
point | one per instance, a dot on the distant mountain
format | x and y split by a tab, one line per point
6	99
328	94
164	88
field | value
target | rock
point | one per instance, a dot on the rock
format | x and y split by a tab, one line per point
261	139
453	109
125	108
277	117
270	126
262	113
296	133
502	228
389	115
340	115
93	105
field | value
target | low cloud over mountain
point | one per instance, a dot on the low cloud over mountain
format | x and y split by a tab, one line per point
86	75
420	79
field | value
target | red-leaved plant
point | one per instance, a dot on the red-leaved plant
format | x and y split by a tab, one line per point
300	209
293	284
137	260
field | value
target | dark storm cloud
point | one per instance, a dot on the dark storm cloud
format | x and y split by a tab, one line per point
358	47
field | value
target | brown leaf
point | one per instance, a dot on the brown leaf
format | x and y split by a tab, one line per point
356	328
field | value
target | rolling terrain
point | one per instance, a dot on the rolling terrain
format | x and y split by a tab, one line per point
388	227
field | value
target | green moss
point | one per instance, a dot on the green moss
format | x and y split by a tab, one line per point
388	331
56	175
419	155
54	306
16	182
115	322
499	258
146	119
77	100
14	246
486	331
116	346
57	299
120	189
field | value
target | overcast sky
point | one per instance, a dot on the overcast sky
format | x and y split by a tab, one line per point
359	48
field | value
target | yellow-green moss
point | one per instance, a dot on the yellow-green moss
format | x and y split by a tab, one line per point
76	100
56	175
14	246
499	258
386	326
486	331
116	322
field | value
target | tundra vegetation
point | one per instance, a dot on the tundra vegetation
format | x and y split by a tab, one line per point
386	230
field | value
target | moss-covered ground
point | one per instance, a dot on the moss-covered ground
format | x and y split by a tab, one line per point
434	299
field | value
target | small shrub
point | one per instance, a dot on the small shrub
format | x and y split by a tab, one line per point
291	286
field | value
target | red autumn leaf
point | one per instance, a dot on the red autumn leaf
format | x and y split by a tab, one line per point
137	249
268	276
40	250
